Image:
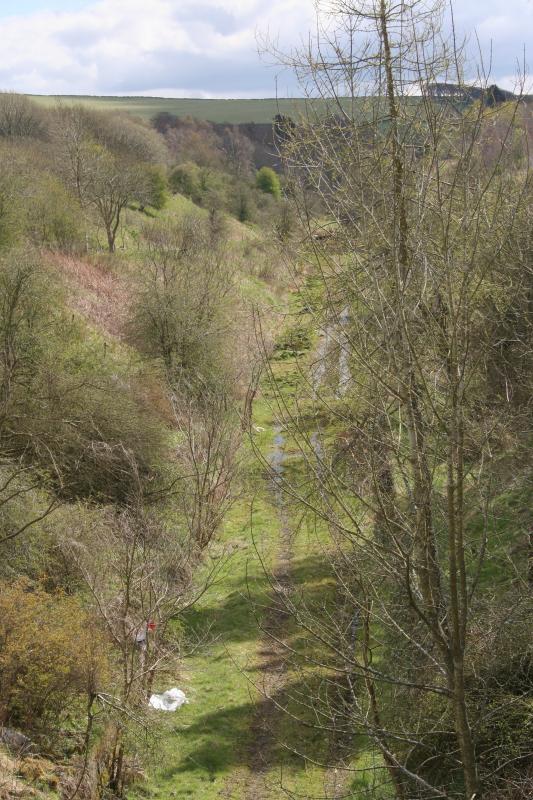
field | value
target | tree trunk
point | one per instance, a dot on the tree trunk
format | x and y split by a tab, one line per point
464	732
110	239
392	768
530	557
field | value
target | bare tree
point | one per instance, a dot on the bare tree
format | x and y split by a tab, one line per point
104	161
111	185
239	151
20	117
139	578
422	232
208	461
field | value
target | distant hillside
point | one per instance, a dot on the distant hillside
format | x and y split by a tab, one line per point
258	110
230	111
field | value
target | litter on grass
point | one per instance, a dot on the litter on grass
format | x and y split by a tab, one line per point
170	700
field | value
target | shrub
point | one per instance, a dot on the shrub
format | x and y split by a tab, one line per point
181	316
21	117
243	206
285	221
67	408
13	187
53	218
294	341
185	179
155	187
51	655
267	181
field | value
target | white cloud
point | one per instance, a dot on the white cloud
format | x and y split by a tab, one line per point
160	46
193	47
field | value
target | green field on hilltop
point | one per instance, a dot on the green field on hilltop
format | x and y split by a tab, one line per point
231	111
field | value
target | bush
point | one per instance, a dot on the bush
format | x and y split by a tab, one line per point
285	221
267	181
51	656
68	408
211	189
21	117
13	187
243	206
216	188
182	314
155	190
53	218
294	341
185	179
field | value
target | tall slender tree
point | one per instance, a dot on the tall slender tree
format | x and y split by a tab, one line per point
420	270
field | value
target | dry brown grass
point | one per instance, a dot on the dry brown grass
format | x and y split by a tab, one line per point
11	785
95	292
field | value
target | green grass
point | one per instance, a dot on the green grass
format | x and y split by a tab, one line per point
206	743
261	110
204	746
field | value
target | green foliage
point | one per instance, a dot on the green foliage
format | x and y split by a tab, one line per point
185	179
36	205
235	194
267	181
292	342
243	206
53	380
183	302
54	217
51	655
155	192
215	189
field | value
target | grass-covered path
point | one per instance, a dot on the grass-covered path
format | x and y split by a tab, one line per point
270	668
220	745
233	740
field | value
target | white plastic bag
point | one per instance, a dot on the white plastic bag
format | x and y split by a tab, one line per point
170	700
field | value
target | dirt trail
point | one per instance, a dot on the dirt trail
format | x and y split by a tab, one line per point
271	669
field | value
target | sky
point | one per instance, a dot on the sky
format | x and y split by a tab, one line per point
198	48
